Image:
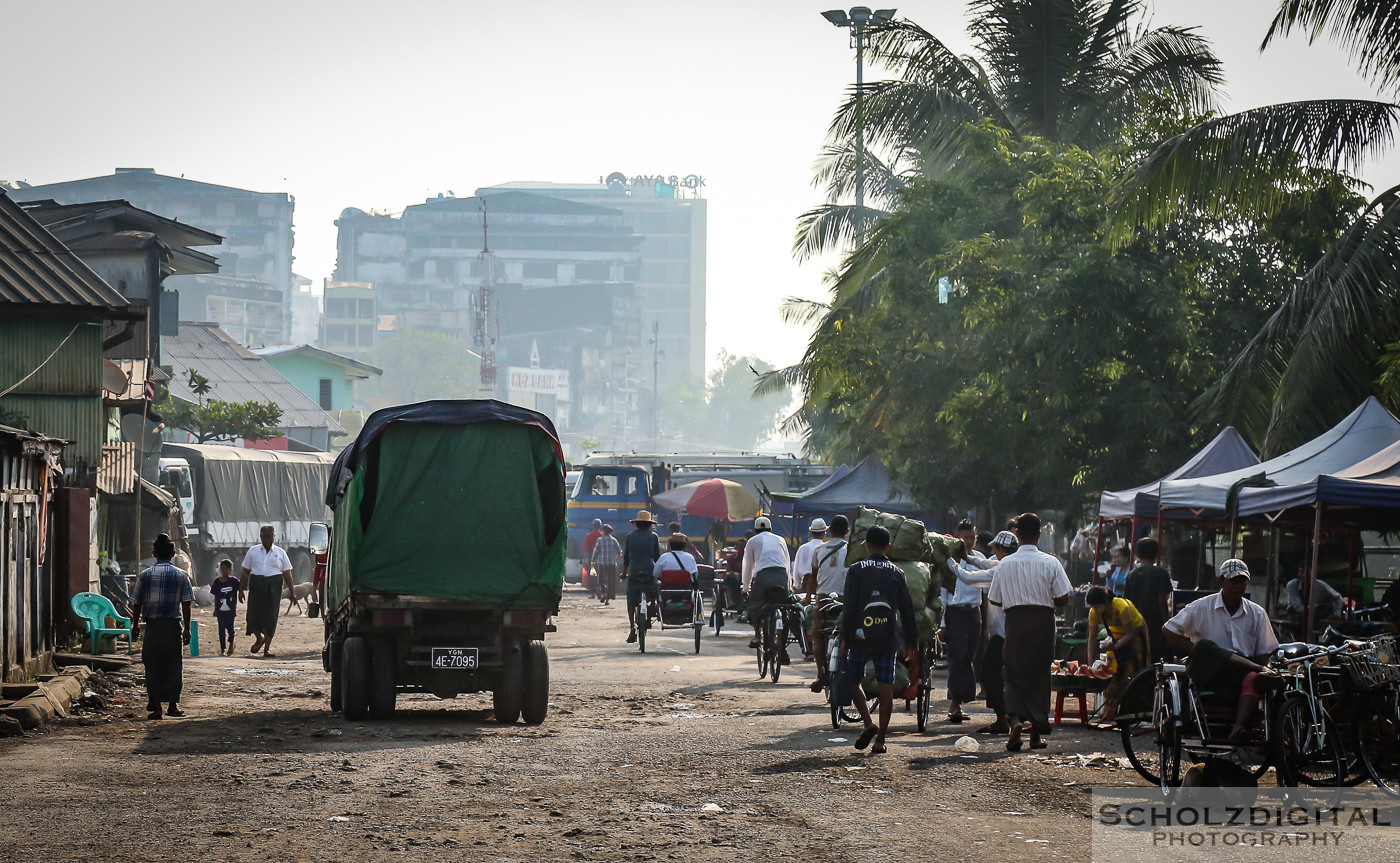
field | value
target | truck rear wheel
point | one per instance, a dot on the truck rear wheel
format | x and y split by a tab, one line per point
381	679
534	705
354	665
505	698
333	648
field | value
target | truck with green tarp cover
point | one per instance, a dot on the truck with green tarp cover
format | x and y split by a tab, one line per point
446	563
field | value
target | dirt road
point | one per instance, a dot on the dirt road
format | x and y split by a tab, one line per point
636	755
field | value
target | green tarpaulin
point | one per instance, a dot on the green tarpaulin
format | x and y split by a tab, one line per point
468	512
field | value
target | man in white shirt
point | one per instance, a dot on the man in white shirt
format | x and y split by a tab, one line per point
265	567
828	576
962	627
1223	633
1028	585
802	564
766	572
981	573
677	558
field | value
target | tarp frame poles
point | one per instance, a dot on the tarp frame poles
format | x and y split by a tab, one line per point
1098	552
1312	573
1158	561
1233	535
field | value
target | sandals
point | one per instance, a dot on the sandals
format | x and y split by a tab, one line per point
866	736
1014	743
958	717
878	748
994	728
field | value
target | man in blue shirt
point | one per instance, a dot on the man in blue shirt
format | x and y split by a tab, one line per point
163	594
875	595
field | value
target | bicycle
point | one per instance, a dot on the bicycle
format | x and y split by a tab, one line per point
779	623
648	607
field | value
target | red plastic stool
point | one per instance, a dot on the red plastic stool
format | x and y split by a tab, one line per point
1079	694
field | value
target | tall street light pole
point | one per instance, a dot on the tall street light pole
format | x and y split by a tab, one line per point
856	21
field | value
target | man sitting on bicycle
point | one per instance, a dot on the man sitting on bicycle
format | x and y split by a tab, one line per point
1223	633
766	574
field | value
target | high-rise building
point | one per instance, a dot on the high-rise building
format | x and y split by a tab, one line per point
349	319
560	321
669	213
251	295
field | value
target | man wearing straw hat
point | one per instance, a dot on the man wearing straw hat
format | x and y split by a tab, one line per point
639	555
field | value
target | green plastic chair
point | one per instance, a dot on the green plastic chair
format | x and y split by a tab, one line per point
94	609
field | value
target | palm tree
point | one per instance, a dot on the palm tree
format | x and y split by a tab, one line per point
1069	71
1317	355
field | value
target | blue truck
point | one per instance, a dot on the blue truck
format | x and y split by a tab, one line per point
614	487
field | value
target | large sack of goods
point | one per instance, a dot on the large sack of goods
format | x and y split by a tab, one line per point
916	575
937	550
926	621
901	678
907	536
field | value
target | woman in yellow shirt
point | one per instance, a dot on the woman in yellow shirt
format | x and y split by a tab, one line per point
1127	642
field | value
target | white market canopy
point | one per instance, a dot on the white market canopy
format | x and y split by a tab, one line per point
1226	453
1364	433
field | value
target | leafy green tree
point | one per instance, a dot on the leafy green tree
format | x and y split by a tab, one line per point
1321	351
215	420
725	415
420	365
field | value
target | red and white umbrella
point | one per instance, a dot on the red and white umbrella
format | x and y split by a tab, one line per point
712	498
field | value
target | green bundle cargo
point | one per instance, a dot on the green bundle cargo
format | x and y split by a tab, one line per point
926	621
909	541
901	678
916	575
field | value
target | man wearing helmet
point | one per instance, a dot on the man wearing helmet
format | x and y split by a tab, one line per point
766	572
1224	633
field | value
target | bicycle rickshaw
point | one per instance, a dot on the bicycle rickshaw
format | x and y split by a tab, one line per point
678	602
1332	723
921	681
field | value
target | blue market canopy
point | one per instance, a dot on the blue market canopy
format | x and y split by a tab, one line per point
1363	434
1226	453
1372	483
867	484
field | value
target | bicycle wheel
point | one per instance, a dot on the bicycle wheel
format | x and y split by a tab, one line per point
777	642
762	633
642	623
1168	749
1138	726
1308	750
1376	740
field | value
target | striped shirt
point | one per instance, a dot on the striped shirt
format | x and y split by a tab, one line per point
1028	576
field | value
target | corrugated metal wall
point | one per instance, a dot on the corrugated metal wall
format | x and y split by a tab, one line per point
26	614
64	398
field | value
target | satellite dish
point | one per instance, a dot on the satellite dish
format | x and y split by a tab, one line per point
132	426
114	380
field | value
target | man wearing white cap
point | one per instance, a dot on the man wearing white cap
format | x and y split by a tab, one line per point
767	573
1223	633
805	561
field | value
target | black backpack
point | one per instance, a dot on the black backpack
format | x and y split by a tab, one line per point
877	624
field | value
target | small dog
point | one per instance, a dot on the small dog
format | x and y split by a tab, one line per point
294	596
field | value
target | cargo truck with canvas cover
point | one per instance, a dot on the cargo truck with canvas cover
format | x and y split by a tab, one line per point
227	493
447	558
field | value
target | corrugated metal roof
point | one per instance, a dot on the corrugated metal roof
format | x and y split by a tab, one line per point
37	270
117	473
329	356
67	219
237	375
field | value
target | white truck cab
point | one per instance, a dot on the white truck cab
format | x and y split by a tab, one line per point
175	478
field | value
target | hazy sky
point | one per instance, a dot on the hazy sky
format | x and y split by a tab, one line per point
380	105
